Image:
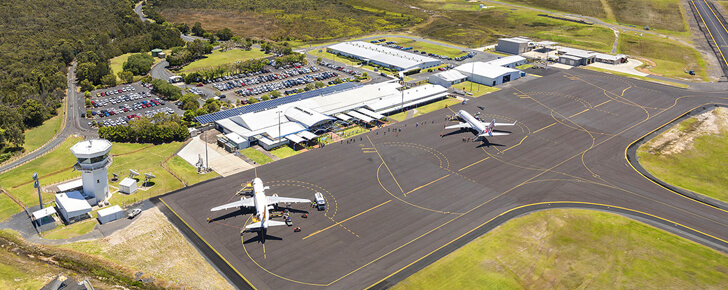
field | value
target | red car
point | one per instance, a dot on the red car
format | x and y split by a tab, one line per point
199	84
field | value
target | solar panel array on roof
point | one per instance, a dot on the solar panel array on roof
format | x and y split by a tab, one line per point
261	106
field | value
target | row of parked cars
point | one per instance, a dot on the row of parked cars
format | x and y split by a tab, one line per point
119	99
120	121
464	57
115	91
127	108
236	83
289	83
339	68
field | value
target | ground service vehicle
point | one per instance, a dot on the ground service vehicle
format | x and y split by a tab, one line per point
320	202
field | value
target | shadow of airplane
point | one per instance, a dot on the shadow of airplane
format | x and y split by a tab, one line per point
261	237
240	211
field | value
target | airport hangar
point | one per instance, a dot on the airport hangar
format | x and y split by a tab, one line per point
382	55
398	202
302	117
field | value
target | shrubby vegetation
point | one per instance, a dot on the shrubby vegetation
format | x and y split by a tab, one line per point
192	51
160	128
139	64
298	19
41	38
166	89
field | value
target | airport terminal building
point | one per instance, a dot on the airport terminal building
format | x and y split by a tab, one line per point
384	56
302	117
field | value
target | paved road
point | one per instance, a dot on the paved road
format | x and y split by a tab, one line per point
395	201
138	10
75	106
715	30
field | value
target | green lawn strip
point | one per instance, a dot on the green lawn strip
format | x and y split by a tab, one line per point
575	248
460	6
284	151
256	155
428	47
7	208
475	89
19	272
218	57
53	162
674	84
705	162
38	136
672	58
187	172
525	66
70	231
352	131
425	109
326	56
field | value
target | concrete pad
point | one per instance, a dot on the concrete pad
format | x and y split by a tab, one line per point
220	161
627	67
560	65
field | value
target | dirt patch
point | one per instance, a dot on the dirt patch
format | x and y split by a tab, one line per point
152	245
680	137
240	23
647	65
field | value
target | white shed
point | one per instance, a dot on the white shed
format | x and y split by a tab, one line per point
128	185
110	214
72	205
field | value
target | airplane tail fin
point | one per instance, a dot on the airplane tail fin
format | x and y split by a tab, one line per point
255	225
275	223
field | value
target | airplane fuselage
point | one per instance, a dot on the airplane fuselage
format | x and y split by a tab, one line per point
474	123
261	202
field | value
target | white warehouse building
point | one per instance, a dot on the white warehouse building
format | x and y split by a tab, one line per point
385	56
487	74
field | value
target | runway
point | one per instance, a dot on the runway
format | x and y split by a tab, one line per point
398	200
714	28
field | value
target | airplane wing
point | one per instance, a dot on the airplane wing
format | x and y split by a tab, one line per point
504	124
254	225
243	202
278	199
458	126
493	134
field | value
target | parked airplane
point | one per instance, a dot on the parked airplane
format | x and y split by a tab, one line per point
478	126
263	204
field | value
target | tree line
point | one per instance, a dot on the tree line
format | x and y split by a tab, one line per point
161	128
40	39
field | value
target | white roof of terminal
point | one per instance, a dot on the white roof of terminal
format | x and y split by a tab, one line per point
484	69
506	60
370	113
73	201
90	148
295	138
305	116
307	135
235	137
451	75
360	116
383	54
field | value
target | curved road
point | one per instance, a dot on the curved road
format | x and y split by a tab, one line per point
72	126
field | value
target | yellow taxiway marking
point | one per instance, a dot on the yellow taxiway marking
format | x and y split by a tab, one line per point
385	165
476	162
369	152
341	222
607	101
574	115
431	182
543	128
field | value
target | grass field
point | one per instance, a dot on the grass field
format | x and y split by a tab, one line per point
283	152
704	158
663	14
117	63
152	245
671	58
575	249
53	167
187	172
72	230
328	57
674	84
475	88
256	155
428	47
218	57
38	136
477	28
425	109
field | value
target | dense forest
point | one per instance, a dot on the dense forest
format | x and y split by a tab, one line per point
291	19
40	38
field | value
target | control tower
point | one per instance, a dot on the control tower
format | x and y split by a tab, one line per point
93	159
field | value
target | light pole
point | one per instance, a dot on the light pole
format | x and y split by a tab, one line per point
36	184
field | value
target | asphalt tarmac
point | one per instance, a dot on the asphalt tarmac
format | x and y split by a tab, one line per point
398	201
